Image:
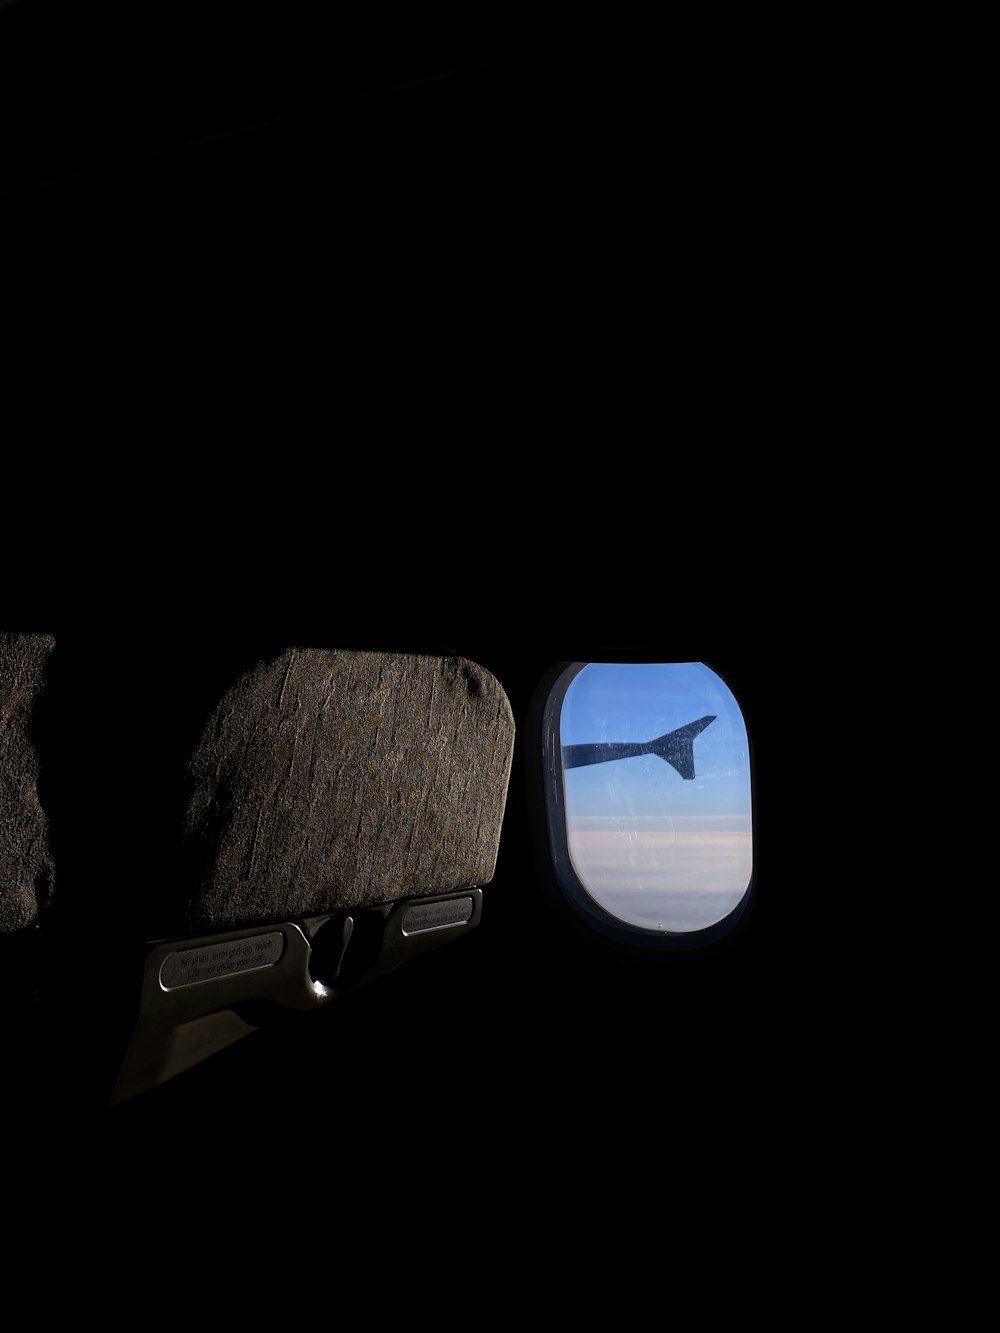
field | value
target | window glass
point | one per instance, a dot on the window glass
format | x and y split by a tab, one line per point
656	780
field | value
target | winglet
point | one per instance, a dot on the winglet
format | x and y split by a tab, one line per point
677	747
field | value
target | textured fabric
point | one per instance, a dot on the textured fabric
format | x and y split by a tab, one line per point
26	873
329	778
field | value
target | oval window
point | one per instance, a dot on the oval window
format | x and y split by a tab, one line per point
656	795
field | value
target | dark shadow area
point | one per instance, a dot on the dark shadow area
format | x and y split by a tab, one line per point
91	91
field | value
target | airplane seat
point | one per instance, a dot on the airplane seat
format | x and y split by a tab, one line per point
334	810
344	812
329	779
26	863
199	789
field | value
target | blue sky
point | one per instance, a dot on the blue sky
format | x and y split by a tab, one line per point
638	702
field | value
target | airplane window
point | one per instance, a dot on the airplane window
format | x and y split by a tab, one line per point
656	795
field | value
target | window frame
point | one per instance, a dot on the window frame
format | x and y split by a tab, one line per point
573	903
